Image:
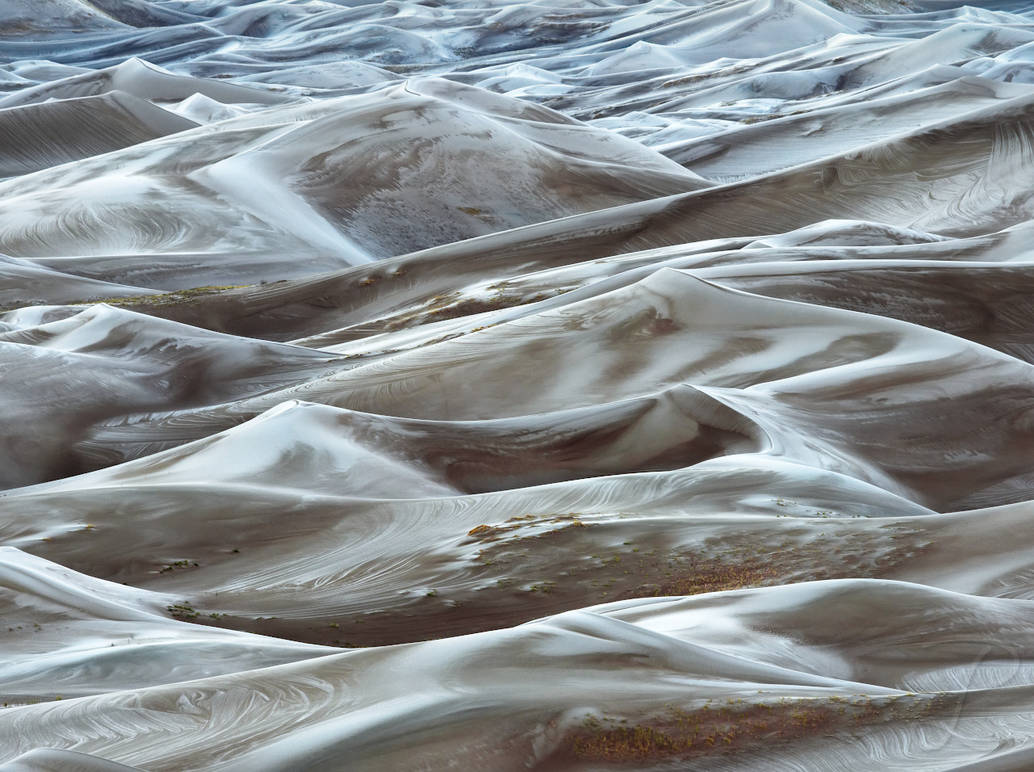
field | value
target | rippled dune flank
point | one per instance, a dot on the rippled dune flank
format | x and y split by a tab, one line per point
589	385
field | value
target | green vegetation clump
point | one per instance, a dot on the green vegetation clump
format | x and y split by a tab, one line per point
183	611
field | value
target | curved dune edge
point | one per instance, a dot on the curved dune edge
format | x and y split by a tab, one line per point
752	690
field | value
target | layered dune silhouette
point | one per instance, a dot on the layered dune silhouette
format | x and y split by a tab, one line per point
587	386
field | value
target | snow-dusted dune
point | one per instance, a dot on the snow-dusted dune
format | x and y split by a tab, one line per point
576	385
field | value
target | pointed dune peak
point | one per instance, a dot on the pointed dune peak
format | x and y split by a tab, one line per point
746	29
37	136
433	192
669	328
288	184
201	109
306	446
127	362
144	81
310	446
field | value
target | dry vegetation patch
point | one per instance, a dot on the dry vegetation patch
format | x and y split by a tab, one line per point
739	725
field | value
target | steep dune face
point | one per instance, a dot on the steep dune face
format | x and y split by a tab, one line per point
426	386
351	180
39	136
122	362
331	707
86	636
840	380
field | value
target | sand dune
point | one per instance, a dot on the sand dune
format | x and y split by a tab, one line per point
592	386
23	283
121	361
142	80
82	636
661	644
38	136
271	184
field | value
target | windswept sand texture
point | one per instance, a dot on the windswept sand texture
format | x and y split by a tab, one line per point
591	385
